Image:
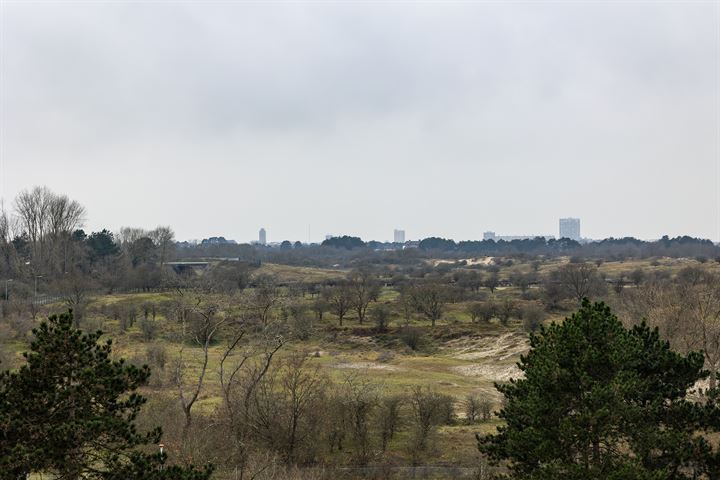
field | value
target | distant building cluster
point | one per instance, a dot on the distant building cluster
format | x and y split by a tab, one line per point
570	228
509	238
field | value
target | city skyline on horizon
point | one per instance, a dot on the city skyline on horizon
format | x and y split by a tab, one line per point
263	237
217	118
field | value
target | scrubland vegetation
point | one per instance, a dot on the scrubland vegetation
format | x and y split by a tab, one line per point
355	359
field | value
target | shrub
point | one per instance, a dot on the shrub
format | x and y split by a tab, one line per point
149	310
472	409
380	314
486	409
303	326
156	355
388	418
446	409
149	328
506	310
429	410
21	324
533	316
7	359
127	316
385	356
93	324
412	337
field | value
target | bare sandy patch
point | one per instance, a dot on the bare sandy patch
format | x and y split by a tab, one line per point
468	261
500	348
496	373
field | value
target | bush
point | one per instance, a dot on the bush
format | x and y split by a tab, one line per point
385	356
389	418
412	337
533	316
486	409
303	326
429	410
472	409
21	325
93	324
446	409
380	314
7	359
149	310
149	328
127	316
506	310
156	355
484	311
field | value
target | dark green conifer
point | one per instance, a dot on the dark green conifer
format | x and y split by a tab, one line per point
70	411
599	401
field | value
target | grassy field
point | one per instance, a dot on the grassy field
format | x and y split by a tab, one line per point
456	357
290	273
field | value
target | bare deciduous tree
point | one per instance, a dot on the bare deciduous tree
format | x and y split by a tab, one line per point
208	320
492	282
429	299
471	405
581	280
285	408
163	238
426	408
339	299
74	289
364	289
264	297
242	369
48	219
686	311
388	418
360	398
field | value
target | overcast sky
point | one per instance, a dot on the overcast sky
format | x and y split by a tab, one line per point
356	118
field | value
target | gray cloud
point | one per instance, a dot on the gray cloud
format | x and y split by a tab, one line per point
447	119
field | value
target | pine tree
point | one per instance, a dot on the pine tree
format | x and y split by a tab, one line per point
599	401
71	410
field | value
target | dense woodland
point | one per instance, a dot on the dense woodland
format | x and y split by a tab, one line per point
354	359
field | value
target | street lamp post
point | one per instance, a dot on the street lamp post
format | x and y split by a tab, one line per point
7	280
162	463
36	280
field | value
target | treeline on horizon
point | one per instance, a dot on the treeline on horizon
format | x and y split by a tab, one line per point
629	246
42	242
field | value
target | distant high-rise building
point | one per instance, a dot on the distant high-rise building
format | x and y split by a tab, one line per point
488	235
262	237
399	236
570	228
